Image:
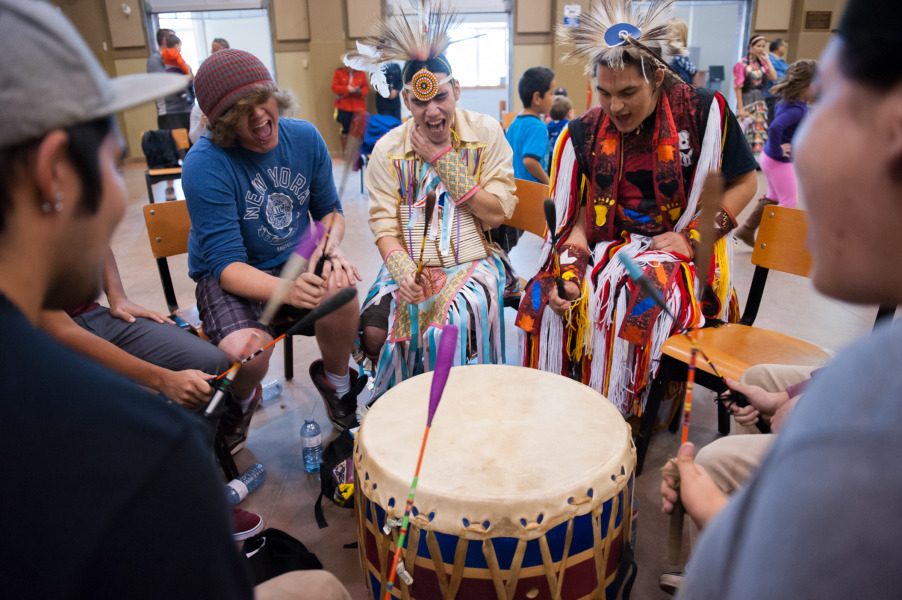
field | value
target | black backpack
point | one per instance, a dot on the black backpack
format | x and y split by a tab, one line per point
273	552
159	149
336	476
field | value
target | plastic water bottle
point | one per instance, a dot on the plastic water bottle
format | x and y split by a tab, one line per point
238	489
271	389
312	439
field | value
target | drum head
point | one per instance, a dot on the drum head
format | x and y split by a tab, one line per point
512	451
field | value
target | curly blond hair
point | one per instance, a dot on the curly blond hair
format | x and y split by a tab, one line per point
225	133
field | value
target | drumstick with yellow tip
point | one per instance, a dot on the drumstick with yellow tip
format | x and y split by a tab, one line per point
444	358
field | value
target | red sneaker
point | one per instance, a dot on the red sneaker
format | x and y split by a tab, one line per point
246	524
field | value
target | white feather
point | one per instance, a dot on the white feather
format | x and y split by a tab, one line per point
367	50
380	84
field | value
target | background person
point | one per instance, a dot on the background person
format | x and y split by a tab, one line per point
795	93
749	76
350	88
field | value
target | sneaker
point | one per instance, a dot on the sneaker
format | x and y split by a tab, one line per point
670	582
170	194
342	411
246	524
234	423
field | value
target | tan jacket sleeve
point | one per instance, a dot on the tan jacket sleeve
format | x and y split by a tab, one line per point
497	170
383	196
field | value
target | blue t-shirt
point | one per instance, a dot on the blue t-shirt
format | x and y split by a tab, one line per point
251	207
528	136
780	66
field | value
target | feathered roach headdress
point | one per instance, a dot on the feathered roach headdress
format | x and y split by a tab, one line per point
613	29
418	40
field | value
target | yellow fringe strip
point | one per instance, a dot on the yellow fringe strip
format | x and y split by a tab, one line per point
579	330
721	284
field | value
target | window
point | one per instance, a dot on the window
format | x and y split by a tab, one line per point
244	29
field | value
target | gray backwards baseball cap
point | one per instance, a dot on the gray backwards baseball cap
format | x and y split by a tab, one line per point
49	79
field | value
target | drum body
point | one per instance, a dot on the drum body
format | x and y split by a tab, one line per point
525	491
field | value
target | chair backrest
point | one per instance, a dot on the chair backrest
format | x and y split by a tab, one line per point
506	119
168	225
181	138
780	243
529	215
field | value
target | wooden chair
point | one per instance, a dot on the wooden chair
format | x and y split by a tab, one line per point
507	118
529	215
153	176
168	224
734	347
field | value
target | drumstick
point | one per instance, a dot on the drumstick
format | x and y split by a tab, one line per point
551	222
444	358
295	265
224	384
430	206
327	306
321	263
710	198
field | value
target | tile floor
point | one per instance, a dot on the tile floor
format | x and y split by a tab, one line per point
286	500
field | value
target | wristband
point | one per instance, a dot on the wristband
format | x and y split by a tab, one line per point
456	176
399	264
724	222
440	154
574	262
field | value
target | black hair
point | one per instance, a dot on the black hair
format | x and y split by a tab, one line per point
870	35
161	36
221	41
437	64
534	79
172	40
645	66
83	150
775	45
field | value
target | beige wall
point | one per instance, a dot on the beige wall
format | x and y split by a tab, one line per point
802	44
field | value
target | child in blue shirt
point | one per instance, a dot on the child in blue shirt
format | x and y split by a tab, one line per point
561	112
528	135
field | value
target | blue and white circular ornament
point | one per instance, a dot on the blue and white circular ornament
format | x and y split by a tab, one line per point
613	38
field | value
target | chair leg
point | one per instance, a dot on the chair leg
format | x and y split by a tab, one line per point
677	419
647	423
288	348
224	457
723	419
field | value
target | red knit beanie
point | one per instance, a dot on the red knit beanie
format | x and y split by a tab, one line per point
225	78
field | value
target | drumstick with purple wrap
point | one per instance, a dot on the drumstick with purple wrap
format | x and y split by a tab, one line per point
296	265
551	223
444	359
327	306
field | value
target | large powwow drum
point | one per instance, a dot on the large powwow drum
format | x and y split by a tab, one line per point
525	491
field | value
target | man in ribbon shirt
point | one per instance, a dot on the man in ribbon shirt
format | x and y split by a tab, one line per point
626	178
453	169
252	185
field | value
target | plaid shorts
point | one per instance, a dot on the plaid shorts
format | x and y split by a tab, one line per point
223	313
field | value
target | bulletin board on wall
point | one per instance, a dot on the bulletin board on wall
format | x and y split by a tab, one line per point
773	15
291	20
533	16
361	16
126	23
